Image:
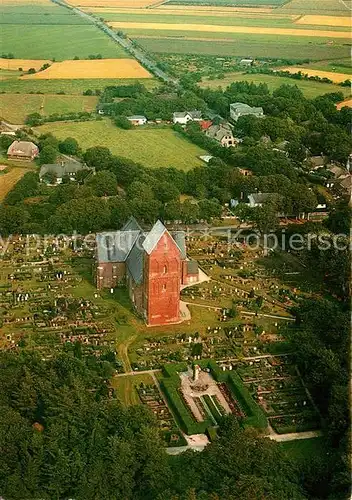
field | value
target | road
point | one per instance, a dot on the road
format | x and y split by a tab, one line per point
127	44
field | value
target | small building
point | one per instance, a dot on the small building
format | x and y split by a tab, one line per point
54	173
258	199
205	124
206	158
239	109
222	133
184	117
22	150
316	162
137	120
246	172
246	62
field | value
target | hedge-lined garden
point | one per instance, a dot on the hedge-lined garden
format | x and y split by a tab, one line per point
171	382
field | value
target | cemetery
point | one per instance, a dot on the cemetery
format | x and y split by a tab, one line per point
48	302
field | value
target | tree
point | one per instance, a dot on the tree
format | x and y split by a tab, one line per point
98	157
165	192
33	119
69	146
103	183
47	155
123	122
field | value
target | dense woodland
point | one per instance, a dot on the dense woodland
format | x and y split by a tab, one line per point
63	433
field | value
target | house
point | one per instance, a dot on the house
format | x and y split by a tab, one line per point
205	124
55	172
22	150
316	162
206	158
258	199
137	120
239	109
186	116
246	172
222	133
246	62
152	265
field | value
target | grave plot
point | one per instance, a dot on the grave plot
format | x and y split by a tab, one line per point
278	389
150	396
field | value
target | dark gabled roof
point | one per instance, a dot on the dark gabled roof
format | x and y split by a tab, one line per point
115	246
131	225
61	170
135	260
192	267
180	239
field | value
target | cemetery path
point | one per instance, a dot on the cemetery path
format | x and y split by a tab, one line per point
280	438
141	372
123	353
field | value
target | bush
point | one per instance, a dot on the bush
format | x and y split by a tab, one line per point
123	122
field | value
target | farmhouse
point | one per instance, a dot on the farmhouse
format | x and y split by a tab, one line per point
22	150
137	120
246	62
222	133
239	109
186	116
152	265
54	173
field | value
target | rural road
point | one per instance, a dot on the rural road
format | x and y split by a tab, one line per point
126	43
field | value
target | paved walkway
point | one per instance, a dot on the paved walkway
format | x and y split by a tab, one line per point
281	438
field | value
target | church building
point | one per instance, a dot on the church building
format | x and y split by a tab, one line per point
153	265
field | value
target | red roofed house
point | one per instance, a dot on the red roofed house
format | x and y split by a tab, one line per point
22	150
205	124
152	265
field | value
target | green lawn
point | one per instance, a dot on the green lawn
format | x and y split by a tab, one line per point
15	107
59	42
310	89
304	449
154	147
12	85
126	387
240	45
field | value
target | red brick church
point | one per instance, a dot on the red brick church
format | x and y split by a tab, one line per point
153	265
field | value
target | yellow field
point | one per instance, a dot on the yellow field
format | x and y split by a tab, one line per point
100	68
25	64
335	77
7	181
113	3
346	102
230	29
325	20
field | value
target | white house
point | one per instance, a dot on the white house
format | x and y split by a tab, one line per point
238	109
137	119
258	199
184	117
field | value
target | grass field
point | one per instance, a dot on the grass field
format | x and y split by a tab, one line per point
321	7
102	68
242	46
154	147
32	13
125	387
9	179
113	3
59	42
72	87
15	107
304	449
310	89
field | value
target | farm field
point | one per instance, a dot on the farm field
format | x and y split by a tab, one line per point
211	28
25	64
102	68
235	3
310	89
325	20
9	179
57	42
335	77
241	45
15	107
73	87
346	102
322	7
157	147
